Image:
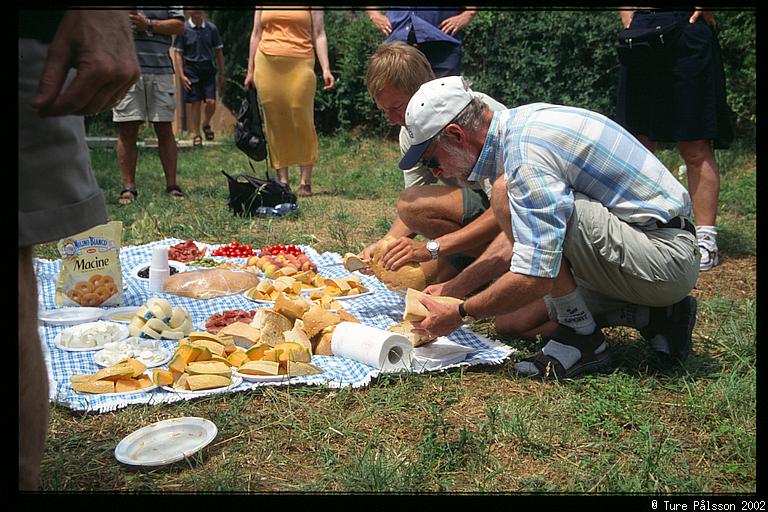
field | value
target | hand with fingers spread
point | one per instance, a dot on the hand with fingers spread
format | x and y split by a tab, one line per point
442	320
457	23
99	45
404	250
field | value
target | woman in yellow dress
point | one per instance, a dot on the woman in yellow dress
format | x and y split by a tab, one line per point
281	65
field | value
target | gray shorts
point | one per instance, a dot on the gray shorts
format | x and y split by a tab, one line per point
58	193
152	98
615	263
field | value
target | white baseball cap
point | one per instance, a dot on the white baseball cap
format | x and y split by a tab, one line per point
431	109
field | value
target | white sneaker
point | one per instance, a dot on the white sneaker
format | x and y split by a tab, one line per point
710	256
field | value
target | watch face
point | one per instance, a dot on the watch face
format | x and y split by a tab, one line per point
432	245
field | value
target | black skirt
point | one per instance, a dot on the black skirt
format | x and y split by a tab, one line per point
681	97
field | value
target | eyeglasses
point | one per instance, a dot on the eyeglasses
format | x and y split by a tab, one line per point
431	162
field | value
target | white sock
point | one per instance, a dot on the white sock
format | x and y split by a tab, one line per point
567	354
572	312
707	235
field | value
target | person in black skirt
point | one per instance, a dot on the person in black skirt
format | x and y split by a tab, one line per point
679	96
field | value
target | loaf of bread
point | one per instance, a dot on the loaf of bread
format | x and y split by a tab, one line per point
210	282
409	275
415	311
405	328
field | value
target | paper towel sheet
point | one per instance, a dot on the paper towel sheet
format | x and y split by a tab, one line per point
439	354
384	350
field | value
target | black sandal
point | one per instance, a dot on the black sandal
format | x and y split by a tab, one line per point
549	368
175	192
209	135
197	142
125	196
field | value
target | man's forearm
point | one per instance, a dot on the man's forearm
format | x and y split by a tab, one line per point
509	293
478	232
491	264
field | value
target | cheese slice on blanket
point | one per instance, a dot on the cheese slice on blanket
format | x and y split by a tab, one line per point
415	311
243	334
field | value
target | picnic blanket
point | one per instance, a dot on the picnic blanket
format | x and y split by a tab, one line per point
381	309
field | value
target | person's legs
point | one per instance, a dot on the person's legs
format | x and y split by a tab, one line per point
166	143
305	183
431	211
194	120
127	155
704	187
209	110
282	176
33	379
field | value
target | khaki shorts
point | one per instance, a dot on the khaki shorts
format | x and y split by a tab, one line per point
615	263
152	98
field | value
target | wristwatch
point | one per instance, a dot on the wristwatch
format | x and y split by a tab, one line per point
433	246
149	27
465	317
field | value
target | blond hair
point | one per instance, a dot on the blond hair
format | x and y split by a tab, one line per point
398	65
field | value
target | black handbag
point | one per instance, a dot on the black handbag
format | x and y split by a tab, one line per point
249	131
648	46
247	194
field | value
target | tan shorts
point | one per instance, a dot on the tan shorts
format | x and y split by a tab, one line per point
152	98
616	263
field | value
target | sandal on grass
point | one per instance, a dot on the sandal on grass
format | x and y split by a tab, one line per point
197	142
127	196
208	132
546	367
175	192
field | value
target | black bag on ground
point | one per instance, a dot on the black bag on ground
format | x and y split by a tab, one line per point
648	46
247	193
249	131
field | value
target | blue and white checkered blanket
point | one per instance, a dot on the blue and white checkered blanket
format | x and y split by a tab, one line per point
381	309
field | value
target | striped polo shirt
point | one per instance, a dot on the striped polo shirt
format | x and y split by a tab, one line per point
153	51
548	152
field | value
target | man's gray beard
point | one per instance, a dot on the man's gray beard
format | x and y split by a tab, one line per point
462	160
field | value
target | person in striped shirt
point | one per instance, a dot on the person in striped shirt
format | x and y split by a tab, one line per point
600	229
151	99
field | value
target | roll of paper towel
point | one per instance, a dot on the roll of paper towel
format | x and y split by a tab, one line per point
385	350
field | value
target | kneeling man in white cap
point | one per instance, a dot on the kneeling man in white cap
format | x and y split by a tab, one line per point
601	230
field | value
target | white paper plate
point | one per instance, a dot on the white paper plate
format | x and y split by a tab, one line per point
165	442
164	355
122	333
113	314
235	382
181	267
261	378
124	393
70	316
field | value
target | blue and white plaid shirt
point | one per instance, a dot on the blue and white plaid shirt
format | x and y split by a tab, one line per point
548	152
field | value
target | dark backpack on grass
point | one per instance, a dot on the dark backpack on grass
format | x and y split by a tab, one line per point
247	193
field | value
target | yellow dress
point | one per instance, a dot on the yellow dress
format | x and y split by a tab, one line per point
284	76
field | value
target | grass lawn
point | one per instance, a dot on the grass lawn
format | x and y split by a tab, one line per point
471	430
